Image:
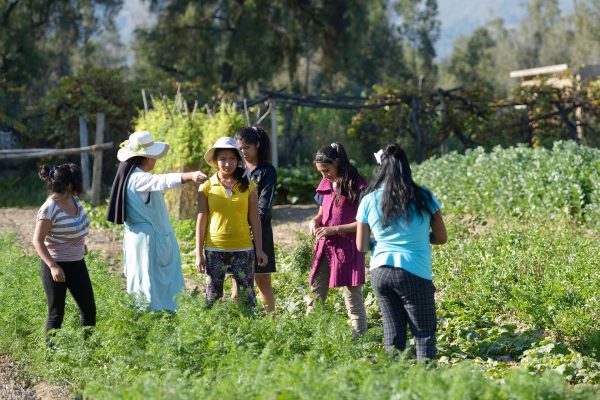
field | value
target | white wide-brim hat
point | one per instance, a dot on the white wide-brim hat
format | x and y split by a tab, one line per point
224	142
141	143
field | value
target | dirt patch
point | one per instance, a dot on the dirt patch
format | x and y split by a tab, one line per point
289	219
12	387
46	391
21	221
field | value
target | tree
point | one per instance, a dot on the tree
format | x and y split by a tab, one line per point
315	46
38	39
421	29
226	43
471	62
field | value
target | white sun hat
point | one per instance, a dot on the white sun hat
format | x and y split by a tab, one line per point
224	142
141	143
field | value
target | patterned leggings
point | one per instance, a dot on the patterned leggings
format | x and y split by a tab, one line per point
240	264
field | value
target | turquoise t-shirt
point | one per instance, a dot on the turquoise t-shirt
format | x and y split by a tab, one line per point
401	244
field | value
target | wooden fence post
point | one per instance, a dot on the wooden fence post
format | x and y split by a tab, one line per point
97	173
145	102
274	152
85	158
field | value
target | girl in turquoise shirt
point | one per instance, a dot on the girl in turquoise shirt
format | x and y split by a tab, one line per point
404	219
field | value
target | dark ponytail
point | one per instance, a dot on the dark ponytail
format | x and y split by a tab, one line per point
347	173
257	136
399	189
59	177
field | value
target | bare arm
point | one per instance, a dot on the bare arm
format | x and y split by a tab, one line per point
42	227
334	230
438	233
316	222
363	234
201	225
254	220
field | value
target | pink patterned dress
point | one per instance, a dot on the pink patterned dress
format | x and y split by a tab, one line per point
347	264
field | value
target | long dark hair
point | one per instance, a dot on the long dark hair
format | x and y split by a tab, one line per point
117	210
257	136
238	174
347	173
399	189
131	163
59	177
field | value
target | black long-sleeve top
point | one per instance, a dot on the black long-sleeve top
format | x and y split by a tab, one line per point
265	177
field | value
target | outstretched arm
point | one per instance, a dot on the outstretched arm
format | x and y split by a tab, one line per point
146	182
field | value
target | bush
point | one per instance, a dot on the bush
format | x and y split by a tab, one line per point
189	136
560	183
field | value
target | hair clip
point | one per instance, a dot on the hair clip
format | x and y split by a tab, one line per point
334	145
378	156
51	173
255	129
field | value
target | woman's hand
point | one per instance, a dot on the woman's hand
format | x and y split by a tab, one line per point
262	258
326	231
201	262
194	176
58	274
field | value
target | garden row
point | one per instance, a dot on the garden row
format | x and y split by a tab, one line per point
509	296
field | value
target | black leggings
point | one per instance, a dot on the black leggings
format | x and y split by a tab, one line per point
77	280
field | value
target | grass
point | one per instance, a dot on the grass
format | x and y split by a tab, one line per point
488	326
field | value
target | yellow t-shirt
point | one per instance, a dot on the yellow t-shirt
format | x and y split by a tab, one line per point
228	227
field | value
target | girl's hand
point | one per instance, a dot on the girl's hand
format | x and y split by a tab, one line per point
262	258
312	226
326	231
58	274
201	262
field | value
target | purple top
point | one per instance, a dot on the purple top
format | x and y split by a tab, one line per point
347	264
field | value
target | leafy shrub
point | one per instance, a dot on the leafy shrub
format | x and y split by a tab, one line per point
21	191
189	135
297	185
563	182
539	273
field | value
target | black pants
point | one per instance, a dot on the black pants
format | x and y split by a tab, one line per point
77	280
404	299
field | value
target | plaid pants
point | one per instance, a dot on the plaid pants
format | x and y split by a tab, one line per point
404	299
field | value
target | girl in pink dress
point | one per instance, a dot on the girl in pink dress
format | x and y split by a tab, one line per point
337	263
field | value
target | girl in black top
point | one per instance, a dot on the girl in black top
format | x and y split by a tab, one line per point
256	148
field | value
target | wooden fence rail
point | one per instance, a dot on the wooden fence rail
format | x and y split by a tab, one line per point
23	154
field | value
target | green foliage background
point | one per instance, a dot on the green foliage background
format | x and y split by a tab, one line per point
190	134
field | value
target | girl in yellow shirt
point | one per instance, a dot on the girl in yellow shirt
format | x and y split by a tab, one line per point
227	213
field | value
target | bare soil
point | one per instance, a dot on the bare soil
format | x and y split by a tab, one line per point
287	220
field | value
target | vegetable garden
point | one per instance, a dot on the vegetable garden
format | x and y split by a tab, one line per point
517	300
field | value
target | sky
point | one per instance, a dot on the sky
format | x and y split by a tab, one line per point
458	18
